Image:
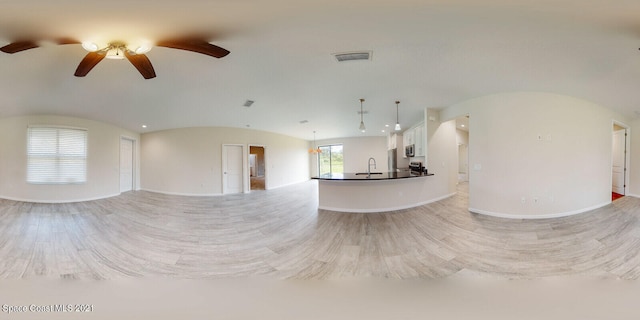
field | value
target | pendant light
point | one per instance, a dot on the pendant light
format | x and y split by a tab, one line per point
362	128
397	121
314	150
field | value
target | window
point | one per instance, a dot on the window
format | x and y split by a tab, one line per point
330	160
56	155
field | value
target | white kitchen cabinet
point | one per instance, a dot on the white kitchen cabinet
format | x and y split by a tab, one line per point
392	141
415	136
404	140
418	140
407	137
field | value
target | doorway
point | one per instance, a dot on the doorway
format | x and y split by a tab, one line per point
232	168
257	168
619	161
463	162
462	139
127	165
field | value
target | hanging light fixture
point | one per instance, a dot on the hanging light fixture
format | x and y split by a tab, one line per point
362	128
397	121
314	150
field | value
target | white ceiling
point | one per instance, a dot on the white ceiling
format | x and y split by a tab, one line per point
425	54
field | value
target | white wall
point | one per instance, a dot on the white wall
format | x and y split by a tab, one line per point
103	161
462	140
568	171
188	161
357	151
442	154
462	137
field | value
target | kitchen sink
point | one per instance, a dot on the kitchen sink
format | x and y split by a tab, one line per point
366	173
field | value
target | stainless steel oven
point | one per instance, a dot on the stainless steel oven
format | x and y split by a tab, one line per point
416	167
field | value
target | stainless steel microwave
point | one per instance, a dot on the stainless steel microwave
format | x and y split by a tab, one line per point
409	150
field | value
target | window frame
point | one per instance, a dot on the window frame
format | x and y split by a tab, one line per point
58	157
329	146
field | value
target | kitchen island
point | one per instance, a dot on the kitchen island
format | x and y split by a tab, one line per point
375	192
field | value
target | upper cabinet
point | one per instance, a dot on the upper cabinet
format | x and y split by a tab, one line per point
415	136
418	140
407	138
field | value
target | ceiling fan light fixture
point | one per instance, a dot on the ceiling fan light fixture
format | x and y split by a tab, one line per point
115	54
90	46
143	48
119	50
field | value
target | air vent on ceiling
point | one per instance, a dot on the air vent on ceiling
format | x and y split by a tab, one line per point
350	56
248	103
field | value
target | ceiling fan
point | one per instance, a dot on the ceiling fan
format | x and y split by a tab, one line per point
119	50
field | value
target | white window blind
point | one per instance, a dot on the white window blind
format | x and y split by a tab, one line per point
56	155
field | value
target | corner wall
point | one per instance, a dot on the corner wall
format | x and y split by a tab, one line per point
537	155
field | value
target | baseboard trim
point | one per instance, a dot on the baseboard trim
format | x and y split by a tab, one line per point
59	201
541	216
350	210
183	194
633	195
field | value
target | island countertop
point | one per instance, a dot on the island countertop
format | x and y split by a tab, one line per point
384	191
373	176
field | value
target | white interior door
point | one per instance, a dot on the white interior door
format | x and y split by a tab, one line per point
618	167
232	175
126	165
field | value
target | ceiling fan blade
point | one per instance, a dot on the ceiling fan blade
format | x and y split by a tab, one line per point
67	41
198	46
19	46
89	61
142	63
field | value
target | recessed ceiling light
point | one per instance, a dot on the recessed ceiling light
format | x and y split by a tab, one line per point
383	131
462	125
386	125
144	125
248	103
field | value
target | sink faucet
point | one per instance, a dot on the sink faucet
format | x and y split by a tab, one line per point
369	165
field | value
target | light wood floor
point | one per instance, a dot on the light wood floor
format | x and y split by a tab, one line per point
280	233
257	183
